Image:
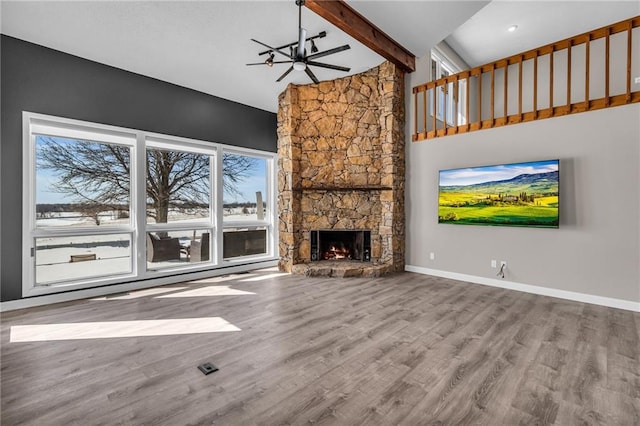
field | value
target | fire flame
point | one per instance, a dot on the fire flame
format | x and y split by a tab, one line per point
336	253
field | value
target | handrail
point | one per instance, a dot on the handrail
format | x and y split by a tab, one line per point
440	124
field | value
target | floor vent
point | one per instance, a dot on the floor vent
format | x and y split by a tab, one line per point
207	368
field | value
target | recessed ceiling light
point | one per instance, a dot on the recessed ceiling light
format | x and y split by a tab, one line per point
512	28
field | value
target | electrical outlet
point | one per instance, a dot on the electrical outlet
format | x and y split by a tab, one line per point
637	80
503	264
432	256
494	264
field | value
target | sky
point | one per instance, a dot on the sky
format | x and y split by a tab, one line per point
44	192
248	188
474	175
46	178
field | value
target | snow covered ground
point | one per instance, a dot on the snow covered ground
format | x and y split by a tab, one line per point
90	269
113	251
68	219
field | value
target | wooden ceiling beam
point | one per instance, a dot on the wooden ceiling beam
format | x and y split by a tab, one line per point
357	26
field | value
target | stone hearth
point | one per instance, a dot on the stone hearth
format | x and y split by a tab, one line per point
341	167
340	269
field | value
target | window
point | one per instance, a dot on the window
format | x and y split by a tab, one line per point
78	227
76	257
451	97
179	210
168	249
178	184
62	178
106	205
246	203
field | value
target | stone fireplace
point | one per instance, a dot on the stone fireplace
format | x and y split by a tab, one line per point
341	169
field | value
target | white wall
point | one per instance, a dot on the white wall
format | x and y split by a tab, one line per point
596	250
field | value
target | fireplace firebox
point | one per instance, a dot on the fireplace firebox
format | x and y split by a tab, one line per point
341	245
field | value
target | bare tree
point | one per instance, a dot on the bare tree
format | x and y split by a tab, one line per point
100	174
176	179
92	210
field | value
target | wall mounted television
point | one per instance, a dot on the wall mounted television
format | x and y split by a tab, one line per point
518	194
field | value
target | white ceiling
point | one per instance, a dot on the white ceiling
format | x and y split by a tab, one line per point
484	38
204	45
417	25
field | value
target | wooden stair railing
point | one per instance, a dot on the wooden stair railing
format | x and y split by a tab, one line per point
607	56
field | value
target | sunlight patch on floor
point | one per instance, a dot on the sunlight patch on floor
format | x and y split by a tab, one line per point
269	269
222	290
223	278
141	293
264	277
115	329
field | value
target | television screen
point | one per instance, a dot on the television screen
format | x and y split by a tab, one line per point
519	194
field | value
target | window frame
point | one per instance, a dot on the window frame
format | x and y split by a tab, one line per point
37	124
270	219
162	142
454	101
138	141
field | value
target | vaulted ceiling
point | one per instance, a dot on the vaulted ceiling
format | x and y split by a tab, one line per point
204	45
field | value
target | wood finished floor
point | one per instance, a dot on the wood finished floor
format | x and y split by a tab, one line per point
406	349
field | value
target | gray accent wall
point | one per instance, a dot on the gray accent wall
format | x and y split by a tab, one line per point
595	251
42	80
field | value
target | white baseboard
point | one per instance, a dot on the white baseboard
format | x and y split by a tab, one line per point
30	302
543	291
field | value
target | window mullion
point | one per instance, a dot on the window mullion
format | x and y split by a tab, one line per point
28	207
273	219
67	232
139	205
219	196
177	226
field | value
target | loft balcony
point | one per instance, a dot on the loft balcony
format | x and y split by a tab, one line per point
595	70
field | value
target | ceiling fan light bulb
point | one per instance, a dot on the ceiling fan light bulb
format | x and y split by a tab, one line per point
269	61
299	66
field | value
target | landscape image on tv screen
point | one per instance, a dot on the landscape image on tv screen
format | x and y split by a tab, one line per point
519	194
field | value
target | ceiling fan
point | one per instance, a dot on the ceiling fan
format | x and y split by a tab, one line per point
297	55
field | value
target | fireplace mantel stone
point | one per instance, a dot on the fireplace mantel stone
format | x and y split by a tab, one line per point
341	166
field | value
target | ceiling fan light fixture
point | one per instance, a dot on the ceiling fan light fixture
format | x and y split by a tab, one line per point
269	61
297	55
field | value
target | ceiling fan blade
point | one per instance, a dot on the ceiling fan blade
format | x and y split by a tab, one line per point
311	75
301	40
331	67
271	48
285	74
274	62
329	52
